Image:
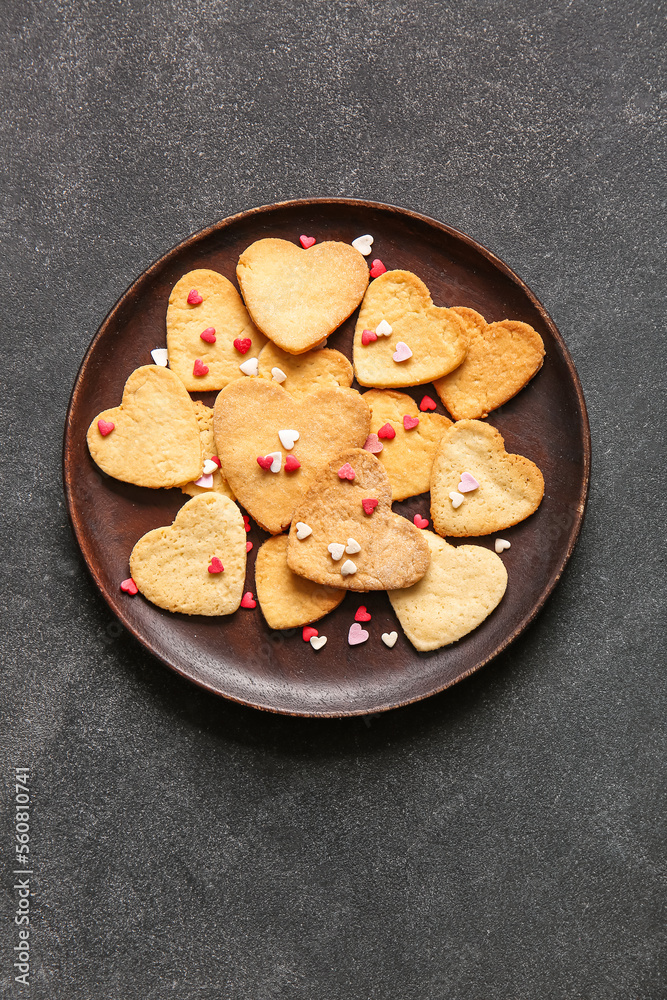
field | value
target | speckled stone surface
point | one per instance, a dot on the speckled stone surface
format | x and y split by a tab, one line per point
499	841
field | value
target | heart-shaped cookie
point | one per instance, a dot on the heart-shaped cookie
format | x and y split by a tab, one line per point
155	439
510	488
460	588
206	331
219	484
408	456
248	416
298	297
432	338
306	373
392	552
501	359
288	600
170	565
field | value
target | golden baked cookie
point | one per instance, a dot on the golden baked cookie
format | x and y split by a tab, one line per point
197	564
510	487
288	600
152	438
305	373
501	359
230	337
425	341
348	547
298	297
460	588
204	415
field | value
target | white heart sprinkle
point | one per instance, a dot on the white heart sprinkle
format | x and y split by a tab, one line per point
209	467
348	568
322	343
352	546
456	498
501	545
383	329
277	462
389	638
336	549
363	244
317	641
250	367
160	356
303	530
288	438
206	482
402	352
278	375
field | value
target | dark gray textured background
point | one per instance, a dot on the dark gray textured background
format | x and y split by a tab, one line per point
501	841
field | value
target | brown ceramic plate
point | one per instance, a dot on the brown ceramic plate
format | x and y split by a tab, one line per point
240	657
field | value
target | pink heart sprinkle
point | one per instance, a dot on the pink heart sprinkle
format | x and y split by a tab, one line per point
216	566
306	241
368	336
248	546
410	422
468	483
206	482
308	633
194	298
129	586
105	427
402	352
292	463
362	614
356	634
373	444
199	368
369	505
265	463
427	404
387	431
243	344
377	268
248	601
208	335
346	472
420	522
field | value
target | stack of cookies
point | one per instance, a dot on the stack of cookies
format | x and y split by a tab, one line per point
315	462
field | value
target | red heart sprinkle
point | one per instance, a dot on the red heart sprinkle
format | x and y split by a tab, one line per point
346	472
248	546
308	633
214	458
362	615
248	601
377	268
246	522
208	335
421	522
427	404
387	431
410	422
216	566
199	369
105	427
265	463
243	344
369	505
194	298
292	463
129	586
306	241
368	336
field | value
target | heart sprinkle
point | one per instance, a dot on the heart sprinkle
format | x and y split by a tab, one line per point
348	568
377	268
389	639
369	505
322	343
292	464
277	460
248	546
306	241
248	601
250	367
208	335
383	329
265	463
246	522
387	431
356	634
194	298
308	633
368	336
419	521
336	549
216	566
362	614
160	356
199	368
303	530
214	458
243	344
373	444
456	498
210	467
410	422
346	472
352	546
129	586
402	352
427	404
288	439
105	427
501	545
205	481
467	483
363	244
278	375
317	641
